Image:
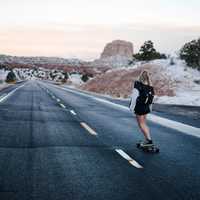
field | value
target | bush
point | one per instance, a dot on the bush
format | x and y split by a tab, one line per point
11	77
147	52
84	77
66	77
190	52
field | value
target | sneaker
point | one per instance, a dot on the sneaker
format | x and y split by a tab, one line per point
147	143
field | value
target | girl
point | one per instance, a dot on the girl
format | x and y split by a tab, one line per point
141	103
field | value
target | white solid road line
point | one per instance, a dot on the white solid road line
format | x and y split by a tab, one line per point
63	106
73	113
184	128
127	157
5	96
90	130
181	127
2	96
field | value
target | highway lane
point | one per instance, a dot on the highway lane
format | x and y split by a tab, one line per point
45	153
173	112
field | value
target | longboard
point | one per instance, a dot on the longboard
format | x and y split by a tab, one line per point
150	149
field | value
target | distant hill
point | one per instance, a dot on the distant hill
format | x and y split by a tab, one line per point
40	60
118	53
67	65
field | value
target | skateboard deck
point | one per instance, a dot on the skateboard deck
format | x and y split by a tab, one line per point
151	149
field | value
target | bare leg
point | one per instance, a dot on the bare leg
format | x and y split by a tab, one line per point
141	119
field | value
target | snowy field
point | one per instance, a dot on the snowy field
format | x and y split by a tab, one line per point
3	75
187	89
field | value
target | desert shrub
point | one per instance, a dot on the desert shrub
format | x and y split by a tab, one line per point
85	77
190	52
147	52
11	77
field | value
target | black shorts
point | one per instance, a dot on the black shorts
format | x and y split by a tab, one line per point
142	109
141	113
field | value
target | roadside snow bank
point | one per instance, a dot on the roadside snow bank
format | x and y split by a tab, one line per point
3	75
4	85
187	88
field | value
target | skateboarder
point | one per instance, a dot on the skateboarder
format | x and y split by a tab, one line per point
141	104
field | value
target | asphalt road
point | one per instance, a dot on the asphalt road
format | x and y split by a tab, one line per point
60	145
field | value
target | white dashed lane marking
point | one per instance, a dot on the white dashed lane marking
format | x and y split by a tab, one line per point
63	106
90	130
127	157
73	113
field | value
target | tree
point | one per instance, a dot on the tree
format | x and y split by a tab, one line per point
66	76
84	77
11	77
147	52
190	52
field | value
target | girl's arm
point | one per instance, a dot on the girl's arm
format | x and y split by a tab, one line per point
134	96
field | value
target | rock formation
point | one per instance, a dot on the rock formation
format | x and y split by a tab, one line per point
118	48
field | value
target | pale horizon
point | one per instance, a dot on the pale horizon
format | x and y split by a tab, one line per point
81	28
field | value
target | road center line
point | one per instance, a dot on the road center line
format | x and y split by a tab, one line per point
127	157
90	130
73	113
63	106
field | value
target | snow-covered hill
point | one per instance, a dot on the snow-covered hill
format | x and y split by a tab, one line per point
187	88
174	84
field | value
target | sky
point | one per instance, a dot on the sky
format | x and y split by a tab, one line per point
81	28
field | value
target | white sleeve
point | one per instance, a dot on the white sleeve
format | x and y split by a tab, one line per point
134	95
150	107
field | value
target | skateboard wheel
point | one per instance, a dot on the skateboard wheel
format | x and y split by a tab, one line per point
138	145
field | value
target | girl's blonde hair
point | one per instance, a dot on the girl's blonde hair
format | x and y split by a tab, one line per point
144	78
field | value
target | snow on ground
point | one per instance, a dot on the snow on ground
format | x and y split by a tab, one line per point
3	75
75	79
3	85
184	98
187	92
